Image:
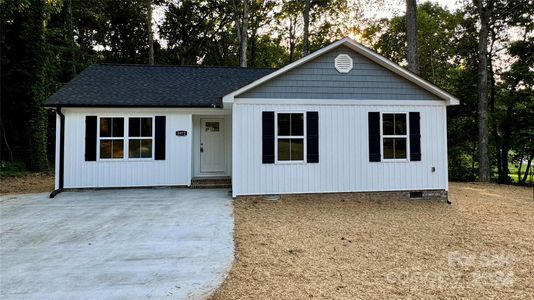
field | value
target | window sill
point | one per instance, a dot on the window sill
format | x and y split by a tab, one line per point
300	162
125	160
394	160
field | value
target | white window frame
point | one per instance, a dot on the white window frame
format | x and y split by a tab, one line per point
101	138
126	139
303	137
385	136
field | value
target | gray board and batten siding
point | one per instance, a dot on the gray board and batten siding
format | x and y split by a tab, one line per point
318	79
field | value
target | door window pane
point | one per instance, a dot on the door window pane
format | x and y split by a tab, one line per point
212	127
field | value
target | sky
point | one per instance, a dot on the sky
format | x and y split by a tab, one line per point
396	7
390	8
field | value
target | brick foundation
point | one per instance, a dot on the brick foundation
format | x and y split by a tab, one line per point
438	195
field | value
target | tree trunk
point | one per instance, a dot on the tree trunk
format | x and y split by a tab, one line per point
150	33
292	37
474	151
412	49
244	36
495	133
241	27
483	159
306	29
253	47
505	147
520	166
529	163
69	37
36	159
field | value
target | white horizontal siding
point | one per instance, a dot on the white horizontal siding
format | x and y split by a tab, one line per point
319	79
174	170
343	153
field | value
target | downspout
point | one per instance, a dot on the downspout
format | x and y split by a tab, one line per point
61	152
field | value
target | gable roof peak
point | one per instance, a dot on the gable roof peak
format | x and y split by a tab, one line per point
362	50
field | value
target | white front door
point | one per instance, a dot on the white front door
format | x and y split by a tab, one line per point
212	146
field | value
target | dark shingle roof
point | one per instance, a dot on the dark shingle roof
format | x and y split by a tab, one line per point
108	85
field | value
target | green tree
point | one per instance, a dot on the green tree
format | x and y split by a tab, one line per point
191	26
27	72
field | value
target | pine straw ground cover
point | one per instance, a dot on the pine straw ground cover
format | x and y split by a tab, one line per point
32	183
481	246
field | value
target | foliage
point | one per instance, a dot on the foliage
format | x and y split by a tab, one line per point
44	44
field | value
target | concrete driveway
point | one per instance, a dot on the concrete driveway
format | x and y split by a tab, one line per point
115	244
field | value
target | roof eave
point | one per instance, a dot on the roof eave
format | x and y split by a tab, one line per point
128	106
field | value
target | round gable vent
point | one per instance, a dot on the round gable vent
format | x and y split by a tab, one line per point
343	63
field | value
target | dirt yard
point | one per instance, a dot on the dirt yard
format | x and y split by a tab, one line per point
481	246
33	183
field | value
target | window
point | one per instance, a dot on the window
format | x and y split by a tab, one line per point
394	136
140	135
111	138
290	137
138	143
212	126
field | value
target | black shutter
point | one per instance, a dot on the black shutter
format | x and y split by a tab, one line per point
267	137
374	136
90	138
312	136
415	136
159	139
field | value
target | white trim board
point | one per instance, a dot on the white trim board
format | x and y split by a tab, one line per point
360	49
299	101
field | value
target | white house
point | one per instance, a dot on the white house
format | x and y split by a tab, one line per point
342	119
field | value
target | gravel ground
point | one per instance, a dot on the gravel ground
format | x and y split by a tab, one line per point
33	183
337	246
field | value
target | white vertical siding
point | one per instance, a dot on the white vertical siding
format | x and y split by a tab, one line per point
176	169
343	153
